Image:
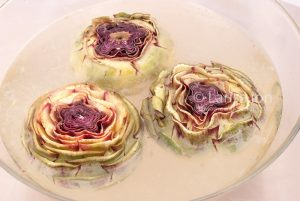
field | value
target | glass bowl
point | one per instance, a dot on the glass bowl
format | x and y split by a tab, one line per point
267	23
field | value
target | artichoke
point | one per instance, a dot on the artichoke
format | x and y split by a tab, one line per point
84	130
195	105
117	52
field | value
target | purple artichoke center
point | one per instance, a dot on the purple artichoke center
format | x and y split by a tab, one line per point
203	99
78	117
121	40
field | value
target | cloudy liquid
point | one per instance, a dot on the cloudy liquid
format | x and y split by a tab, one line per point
199	36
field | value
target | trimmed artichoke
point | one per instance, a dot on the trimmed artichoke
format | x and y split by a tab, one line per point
84	130
194	105
117	52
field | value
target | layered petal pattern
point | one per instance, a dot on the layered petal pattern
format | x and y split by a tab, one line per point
82	125
197	104
119	51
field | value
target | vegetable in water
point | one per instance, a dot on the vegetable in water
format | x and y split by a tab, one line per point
119	51
196	104
82	130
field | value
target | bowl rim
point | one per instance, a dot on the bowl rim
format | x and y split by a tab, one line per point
292	134
268	162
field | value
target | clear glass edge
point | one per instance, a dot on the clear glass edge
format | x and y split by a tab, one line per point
229	188
5	3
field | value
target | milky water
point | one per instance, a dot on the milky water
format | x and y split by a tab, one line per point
199	35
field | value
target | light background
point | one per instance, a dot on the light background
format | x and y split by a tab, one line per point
279	182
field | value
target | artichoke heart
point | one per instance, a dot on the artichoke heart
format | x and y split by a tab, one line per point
117	52
197	104
82	129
